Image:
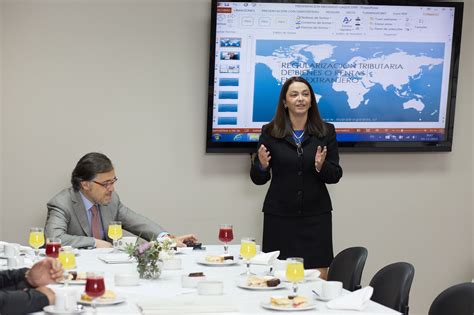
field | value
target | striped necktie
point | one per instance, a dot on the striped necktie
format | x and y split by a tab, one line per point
95	222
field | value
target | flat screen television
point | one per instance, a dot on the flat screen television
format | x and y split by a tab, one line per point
383	72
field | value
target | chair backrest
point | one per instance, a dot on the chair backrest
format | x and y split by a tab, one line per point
392	286
347	267
458	299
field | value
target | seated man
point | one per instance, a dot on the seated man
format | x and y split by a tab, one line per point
80	215
24	290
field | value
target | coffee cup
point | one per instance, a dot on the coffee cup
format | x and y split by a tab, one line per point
331	289
11	250
15	261
66	300
126	240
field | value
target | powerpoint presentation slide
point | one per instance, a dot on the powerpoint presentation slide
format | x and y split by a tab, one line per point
227	108
230	42
227	120
229	82
229	68
228	95
356	82
230	55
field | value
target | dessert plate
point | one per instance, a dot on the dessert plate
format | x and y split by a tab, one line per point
98	302
228	262
50	310
269	306
242	283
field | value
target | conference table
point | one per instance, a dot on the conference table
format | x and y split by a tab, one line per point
167	290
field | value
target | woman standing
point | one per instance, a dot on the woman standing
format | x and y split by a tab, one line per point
298	151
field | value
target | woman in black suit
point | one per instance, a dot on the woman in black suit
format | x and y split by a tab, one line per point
298	151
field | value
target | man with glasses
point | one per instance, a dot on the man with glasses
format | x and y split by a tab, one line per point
80	215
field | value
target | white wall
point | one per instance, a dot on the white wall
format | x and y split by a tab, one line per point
129	78
1	121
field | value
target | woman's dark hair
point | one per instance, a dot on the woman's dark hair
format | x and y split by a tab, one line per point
280	126
88	167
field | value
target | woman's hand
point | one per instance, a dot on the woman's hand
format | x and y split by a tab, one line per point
264	157
320	157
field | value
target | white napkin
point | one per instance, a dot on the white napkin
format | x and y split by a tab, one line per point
265	258
187	304
356	300
116	258
309	274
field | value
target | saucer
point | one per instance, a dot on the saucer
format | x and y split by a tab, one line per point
50	310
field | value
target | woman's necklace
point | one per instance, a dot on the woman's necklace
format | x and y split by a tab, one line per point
298	138
299	147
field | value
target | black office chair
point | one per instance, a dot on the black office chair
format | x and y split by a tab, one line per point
347	267
458	299
392	286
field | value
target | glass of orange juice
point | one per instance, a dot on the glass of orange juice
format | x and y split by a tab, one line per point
294	271
115	232
68	261
248	249
36	239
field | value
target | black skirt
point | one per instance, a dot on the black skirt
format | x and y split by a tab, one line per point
309	237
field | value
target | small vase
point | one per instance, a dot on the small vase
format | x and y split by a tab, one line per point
150	270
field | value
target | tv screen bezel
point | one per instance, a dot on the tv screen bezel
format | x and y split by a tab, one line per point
359	146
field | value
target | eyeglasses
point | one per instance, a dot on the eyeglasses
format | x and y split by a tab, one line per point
107	184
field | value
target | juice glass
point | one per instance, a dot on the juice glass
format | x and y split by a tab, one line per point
294	271
115	232
68	261
226	234
248	249
52	247
95	287
36	239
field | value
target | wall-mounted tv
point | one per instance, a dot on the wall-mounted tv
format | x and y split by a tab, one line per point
383	72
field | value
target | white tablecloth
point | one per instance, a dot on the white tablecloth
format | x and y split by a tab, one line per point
168	286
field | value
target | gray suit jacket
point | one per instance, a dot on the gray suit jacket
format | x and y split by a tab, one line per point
67	219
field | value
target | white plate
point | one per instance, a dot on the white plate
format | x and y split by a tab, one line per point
228	262
322	299
116	258
50	310
309	275
98	302
269	306
242	283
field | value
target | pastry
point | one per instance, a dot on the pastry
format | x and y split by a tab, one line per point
73	275
107	296
280	301
218	259
273	282
295	302
299	301
255	281
196	274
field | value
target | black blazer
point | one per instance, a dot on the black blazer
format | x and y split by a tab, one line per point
17	296
297	189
